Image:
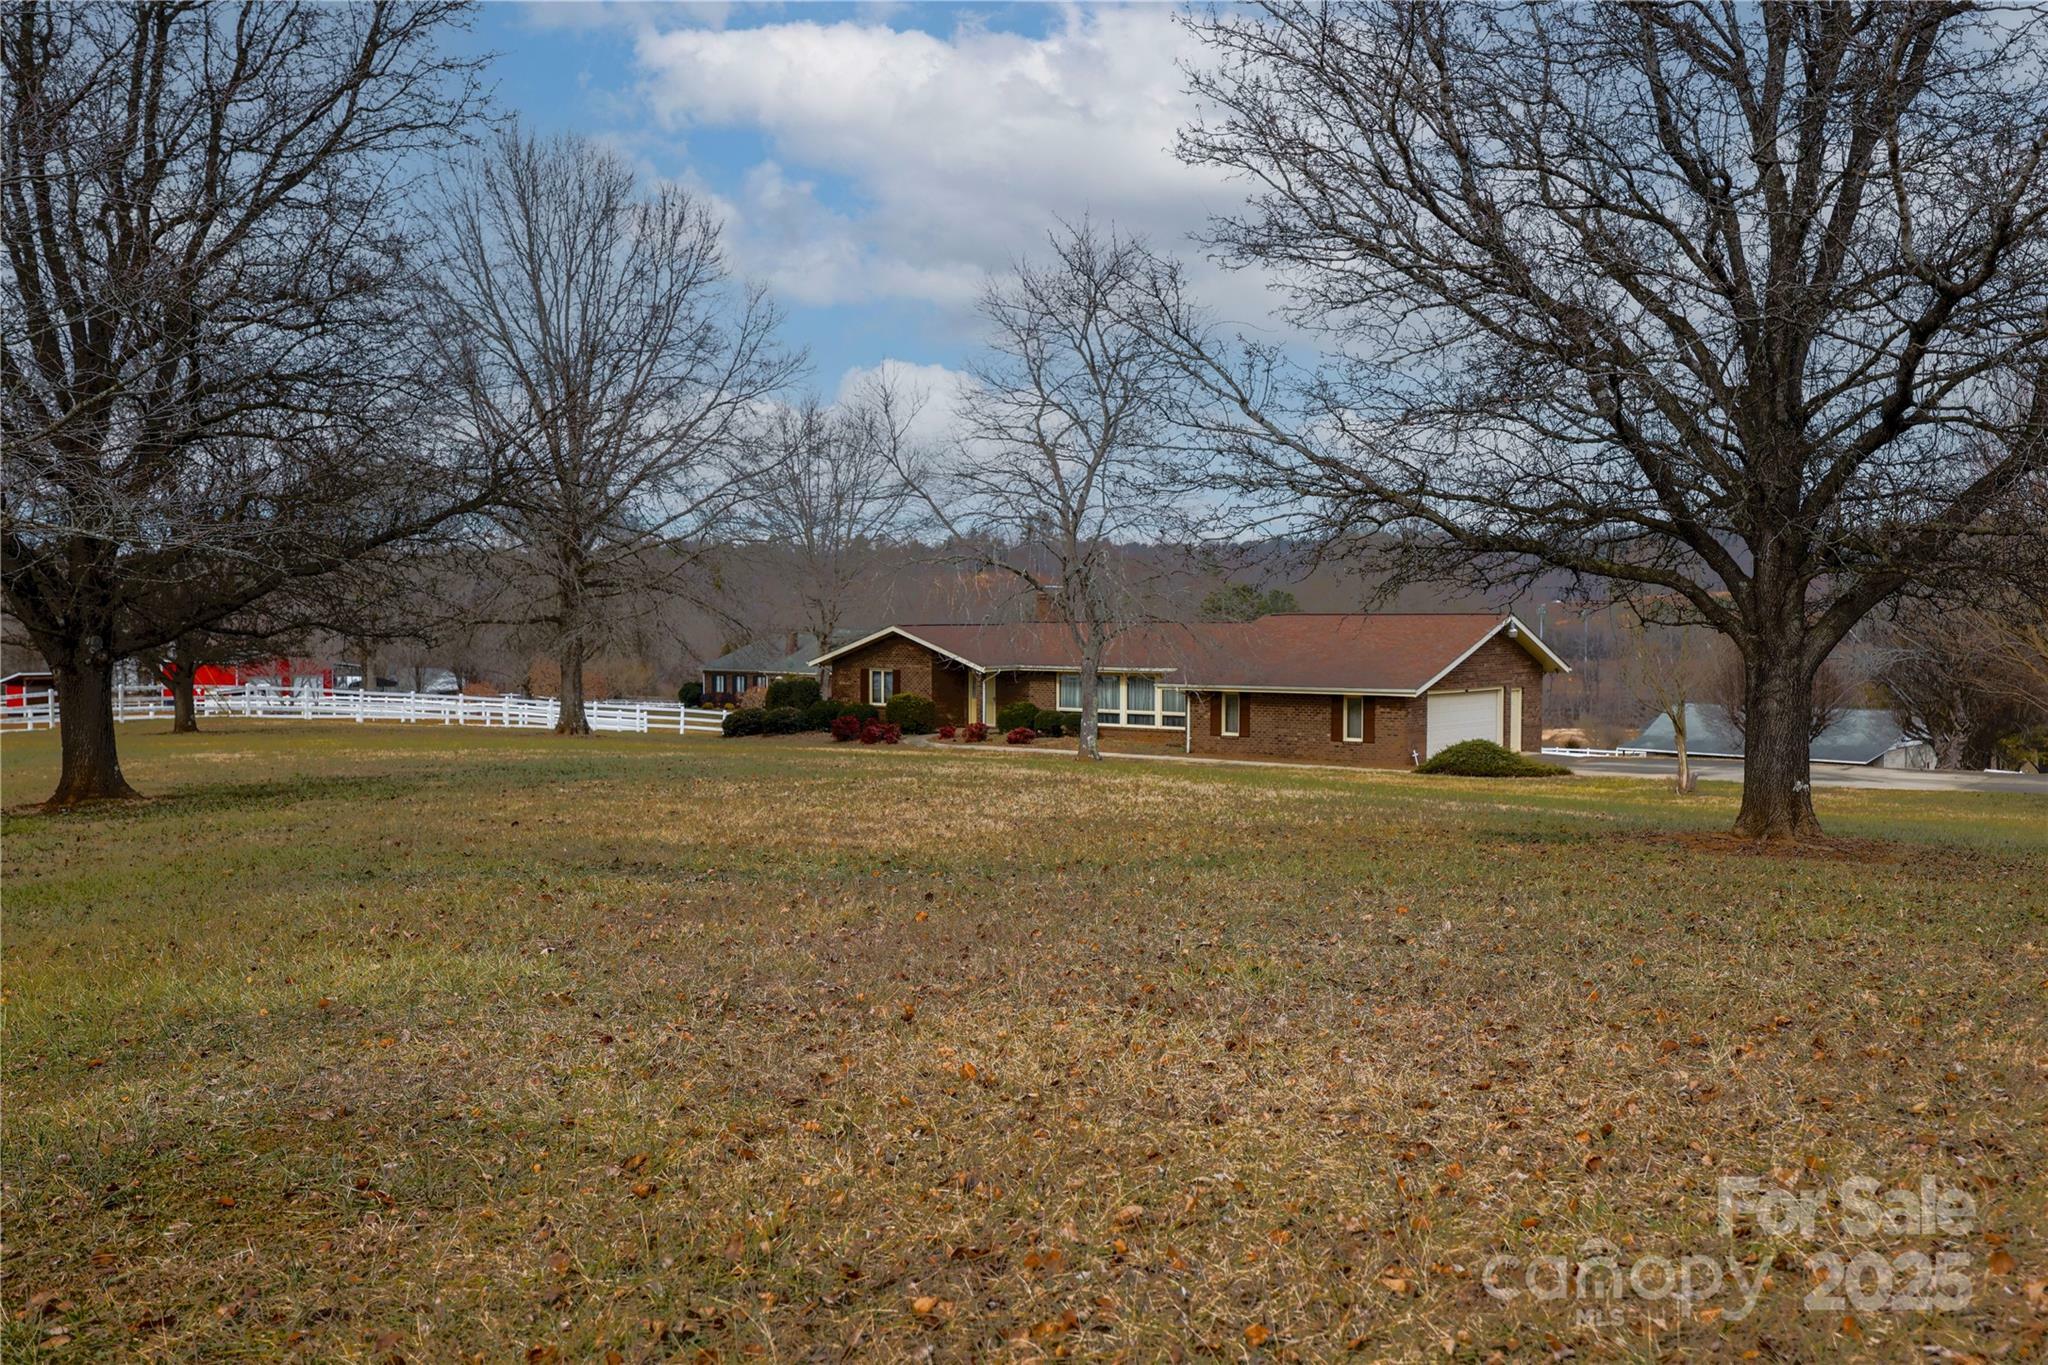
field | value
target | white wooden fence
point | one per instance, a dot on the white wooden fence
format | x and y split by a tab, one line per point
38	710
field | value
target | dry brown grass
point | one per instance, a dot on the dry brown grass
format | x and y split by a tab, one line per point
403	1043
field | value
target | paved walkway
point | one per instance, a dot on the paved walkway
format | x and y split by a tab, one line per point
1658	769
1824	775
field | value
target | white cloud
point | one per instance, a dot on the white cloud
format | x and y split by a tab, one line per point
959	151
938	388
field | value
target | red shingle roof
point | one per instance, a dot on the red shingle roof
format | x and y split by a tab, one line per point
1310	652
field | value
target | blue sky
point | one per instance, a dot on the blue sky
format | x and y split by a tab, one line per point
873	163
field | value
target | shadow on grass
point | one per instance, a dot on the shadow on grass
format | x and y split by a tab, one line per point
218	797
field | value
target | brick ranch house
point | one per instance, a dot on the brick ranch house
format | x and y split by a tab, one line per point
1380	690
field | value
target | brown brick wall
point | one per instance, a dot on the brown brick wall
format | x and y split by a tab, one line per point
1040	689
1139	739
918	670
1501	662
1297	726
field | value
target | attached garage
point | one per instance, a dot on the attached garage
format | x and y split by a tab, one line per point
1458	716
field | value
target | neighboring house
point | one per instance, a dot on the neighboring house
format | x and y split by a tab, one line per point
1862	736
1377	691
760	663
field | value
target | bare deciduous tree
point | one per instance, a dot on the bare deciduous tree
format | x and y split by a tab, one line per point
603	338
1668	668
1066	432
1745	305
1961	676
213	384
830	499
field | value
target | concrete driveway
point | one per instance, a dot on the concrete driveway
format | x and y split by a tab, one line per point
1824	775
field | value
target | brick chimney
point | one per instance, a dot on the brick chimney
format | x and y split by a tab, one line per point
1041	605
790	643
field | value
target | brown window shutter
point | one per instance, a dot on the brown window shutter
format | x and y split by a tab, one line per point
1244	715
1371	710
1215	713
1336	720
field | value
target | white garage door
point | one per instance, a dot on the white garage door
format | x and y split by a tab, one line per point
1455	716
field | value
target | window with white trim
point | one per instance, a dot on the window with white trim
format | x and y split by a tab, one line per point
1230	714
1070	692
1109	699
1141	701
1173	706
1354	720
881	686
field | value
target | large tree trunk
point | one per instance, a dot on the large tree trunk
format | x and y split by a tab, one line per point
91	767
1090	742
571	720
1777	731
184	712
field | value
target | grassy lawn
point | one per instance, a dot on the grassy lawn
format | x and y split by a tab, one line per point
386	1041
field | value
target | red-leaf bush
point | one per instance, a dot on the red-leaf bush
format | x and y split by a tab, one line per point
975	733
871	732
892	733
846	728
1023	734
945	732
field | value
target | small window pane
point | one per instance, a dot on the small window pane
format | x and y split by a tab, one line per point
1140	693
1108	693
1070	692
1354	718
1230	713
1173	702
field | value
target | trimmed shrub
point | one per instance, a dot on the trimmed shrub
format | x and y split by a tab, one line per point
860	709
975	733
797	692
782	720
1054	724
1484	758
1023	734
820	714
915	714
945	732
1018	715
745	721
846	728
690	693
